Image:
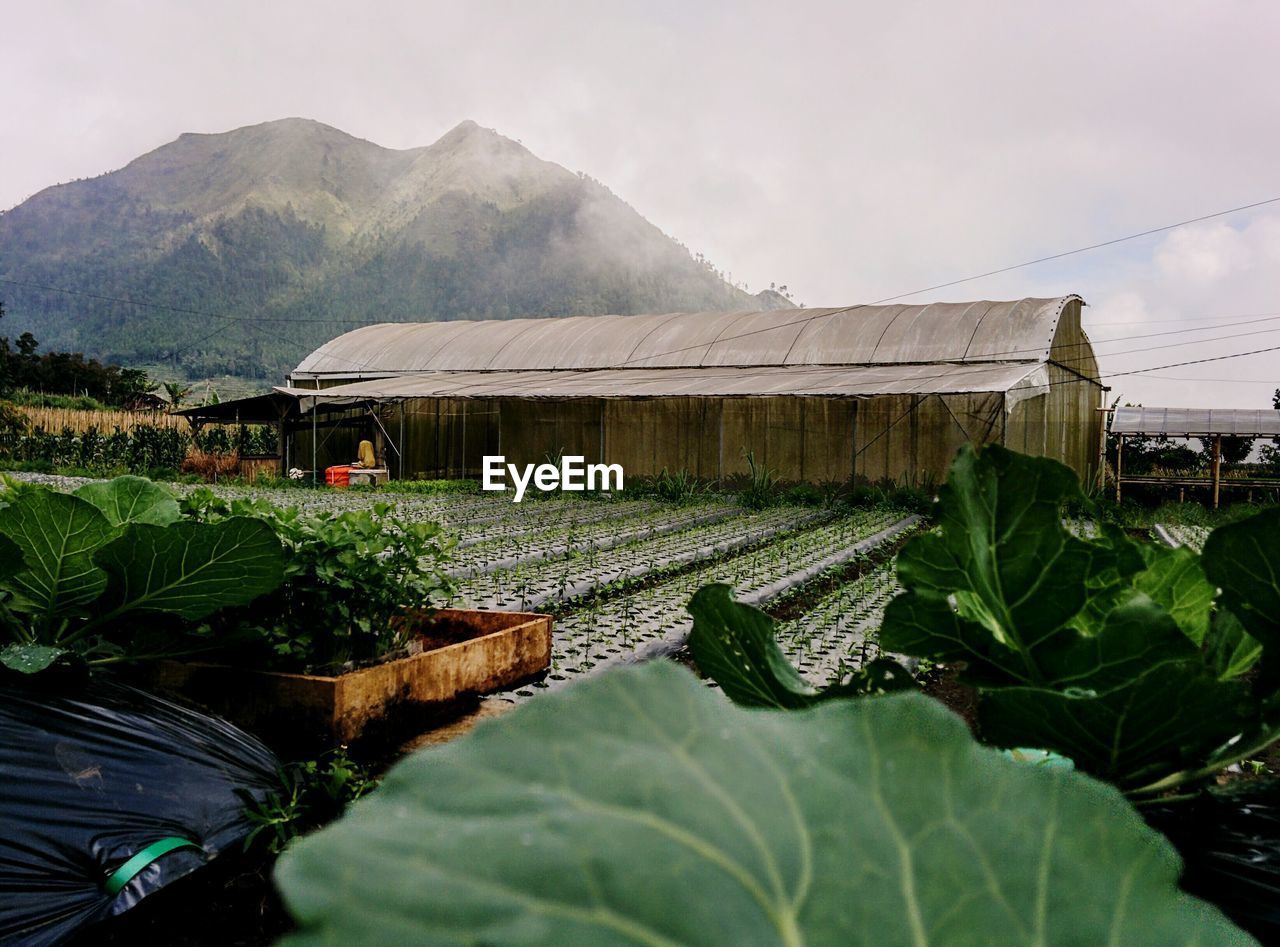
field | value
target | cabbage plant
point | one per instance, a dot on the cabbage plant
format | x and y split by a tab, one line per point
641	807
81	573
1150	667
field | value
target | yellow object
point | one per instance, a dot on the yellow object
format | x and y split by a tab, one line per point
366	455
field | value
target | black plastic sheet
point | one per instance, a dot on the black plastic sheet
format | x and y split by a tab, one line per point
1230	843
91	776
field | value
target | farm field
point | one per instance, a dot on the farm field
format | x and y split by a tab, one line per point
619	576
618	573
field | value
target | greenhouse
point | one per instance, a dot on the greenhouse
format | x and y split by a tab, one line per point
865	392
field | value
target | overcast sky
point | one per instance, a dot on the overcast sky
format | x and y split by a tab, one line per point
853	151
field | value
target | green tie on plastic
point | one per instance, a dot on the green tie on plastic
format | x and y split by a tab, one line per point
126	872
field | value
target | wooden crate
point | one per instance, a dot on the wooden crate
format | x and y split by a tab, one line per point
307	712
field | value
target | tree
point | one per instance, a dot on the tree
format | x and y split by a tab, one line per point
176	391
1234	449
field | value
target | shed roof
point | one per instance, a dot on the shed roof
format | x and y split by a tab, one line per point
1193	422
726	382
256	409
983	331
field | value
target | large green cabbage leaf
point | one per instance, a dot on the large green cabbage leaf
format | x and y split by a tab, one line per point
640	807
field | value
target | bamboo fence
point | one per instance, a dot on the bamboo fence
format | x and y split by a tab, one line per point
55	420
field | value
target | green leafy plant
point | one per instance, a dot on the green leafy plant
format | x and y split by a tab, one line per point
737	647
75	569
315	793
761	490
679	488
1118	655
640	807
348	577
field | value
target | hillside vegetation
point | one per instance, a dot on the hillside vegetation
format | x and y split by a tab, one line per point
295	232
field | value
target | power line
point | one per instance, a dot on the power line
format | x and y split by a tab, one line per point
1196	361
970	279
1230	381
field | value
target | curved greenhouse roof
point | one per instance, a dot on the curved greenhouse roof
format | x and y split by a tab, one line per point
1018	330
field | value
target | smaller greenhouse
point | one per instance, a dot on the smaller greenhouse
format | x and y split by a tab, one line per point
1209	425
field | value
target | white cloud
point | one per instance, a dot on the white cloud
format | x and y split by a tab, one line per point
1204	253
1201	292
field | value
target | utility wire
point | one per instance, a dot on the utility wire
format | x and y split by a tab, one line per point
970	279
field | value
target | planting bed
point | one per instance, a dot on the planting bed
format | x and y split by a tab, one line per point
653	620
536	584
456	653
838	634
1175	535
576	538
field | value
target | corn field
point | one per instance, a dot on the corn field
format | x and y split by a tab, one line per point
145	442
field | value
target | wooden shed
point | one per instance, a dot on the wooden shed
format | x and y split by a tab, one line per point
864	392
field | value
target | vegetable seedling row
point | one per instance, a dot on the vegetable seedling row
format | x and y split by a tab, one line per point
839	634
492	555
653	621
532	585
1193	537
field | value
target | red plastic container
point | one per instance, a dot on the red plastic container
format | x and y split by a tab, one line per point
339	476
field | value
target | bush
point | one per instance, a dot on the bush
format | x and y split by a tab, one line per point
211	466
347	577
805	494
761	490
888	493
678	488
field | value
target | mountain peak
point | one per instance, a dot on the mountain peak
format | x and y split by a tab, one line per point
295	216
471	134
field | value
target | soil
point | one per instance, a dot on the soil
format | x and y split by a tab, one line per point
943	685
631	586
441	635
800	601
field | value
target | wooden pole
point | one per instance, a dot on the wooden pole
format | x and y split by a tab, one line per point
1102	448
281	450
1217	468
1119	465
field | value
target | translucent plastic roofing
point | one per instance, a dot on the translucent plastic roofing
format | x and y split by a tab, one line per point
620	383
1192	422
854	335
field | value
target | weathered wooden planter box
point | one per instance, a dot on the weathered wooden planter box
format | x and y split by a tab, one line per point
488	650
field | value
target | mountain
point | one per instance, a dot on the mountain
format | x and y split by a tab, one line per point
291	232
